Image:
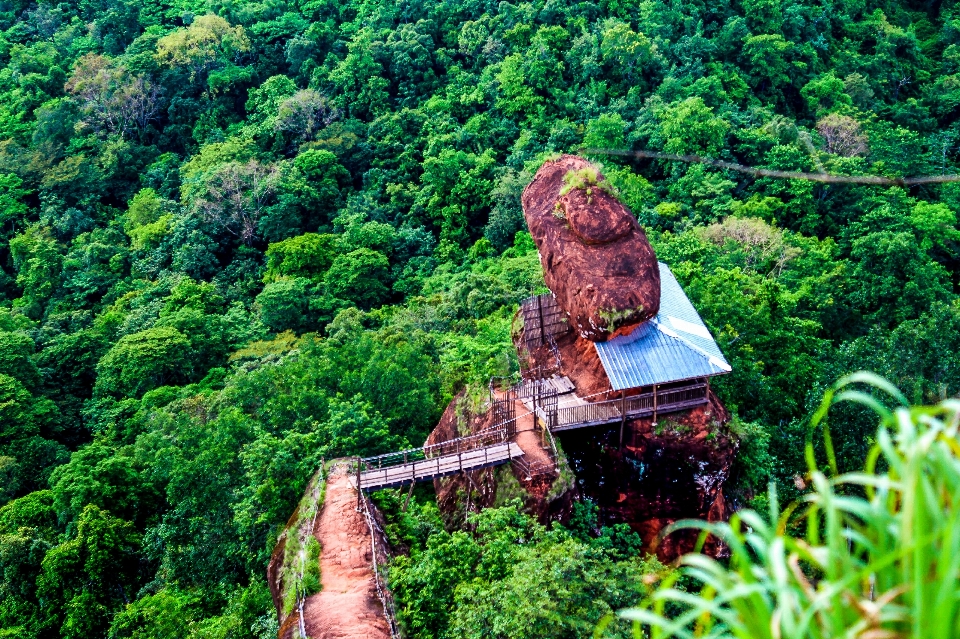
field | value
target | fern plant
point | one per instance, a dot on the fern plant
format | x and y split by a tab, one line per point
879	559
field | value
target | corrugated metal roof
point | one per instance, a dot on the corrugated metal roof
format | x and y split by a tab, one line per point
673	346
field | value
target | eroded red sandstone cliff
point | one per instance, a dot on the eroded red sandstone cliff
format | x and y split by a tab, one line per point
546	495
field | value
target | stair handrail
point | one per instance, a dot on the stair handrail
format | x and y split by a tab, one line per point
386	598
495	435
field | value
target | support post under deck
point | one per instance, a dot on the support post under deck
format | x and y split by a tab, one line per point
623	415
409	495
654	405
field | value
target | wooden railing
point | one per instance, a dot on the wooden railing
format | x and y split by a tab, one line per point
602	408
503	403
638	405
452	447
379	558
599	413
467	460
503	400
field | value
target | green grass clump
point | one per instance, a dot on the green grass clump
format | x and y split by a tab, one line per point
878	553
612	316
310	583
586	179
301	551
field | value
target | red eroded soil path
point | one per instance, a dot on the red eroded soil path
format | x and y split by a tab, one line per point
537	458
348	606
528	438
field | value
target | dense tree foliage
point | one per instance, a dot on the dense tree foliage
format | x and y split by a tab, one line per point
508	576
236	238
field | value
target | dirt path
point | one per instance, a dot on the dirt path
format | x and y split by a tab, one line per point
528	437
348	606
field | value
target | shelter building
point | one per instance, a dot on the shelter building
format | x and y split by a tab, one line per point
661	365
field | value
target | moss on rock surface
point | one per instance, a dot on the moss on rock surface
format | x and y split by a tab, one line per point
296	563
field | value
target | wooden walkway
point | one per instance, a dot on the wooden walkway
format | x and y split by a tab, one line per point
475	459
568	411
555	404
610	412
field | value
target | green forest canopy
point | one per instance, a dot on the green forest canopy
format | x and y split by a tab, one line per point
239	237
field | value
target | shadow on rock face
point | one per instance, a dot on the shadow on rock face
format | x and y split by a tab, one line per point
660	475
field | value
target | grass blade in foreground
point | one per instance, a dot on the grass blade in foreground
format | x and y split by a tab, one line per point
880	558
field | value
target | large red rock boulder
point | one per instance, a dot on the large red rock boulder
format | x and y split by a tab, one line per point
595	257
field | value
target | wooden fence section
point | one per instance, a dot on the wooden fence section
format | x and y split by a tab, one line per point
503	399
438	466
612	410
542	319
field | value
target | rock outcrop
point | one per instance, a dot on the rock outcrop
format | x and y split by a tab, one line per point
647	473
545	495
596	259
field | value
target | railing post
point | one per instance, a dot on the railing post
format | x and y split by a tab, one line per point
536	392
359	487
654	405
623	415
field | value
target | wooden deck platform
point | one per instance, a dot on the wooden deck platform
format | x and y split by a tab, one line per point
609	412
400	474
572	411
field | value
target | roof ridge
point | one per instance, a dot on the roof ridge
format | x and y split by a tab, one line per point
713	359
